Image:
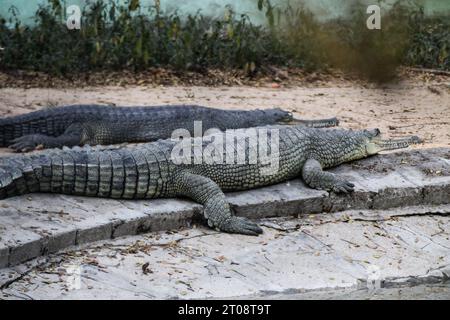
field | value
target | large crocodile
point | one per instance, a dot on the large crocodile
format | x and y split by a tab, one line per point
94	124
159	169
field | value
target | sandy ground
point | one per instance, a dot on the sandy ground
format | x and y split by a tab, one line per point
404	108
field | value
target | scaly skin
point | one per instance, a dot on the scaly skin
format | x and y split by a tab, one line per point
150	171
92	124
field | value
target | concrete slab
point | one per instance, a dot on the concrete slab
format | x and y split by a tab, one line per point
293	258
438	291
38	224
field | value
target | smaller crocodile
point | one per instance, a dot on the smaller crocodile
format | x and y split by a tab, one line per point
152	170
77	125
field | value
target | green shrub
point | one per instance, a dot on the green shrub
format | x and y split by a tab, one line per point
118	37
430	42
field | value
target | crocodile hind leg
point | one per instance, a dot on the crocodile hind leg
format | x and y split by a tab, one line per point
216	209
70	138
316	178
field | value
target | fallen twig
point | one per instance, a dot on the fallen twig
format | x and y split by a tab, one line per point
433	71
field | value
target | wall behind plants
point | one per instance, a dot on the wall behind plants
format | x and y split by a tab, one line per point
213	8
323	9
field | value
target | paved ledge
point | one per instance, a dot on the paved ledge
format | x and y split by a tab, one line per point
39	224
437	291
322	256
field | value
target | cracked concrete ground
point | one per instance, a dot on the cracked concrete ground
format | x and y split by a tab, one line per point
437	291
294	257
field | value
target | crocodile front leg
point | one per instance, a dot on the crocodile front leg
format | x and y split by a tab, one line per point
216	209
316	178
318	123
70	138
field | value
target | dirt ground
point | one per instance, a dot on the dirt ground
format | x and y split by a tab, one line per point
409	107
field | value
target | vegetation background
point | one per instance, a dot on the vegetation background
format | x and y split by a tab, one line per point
127	35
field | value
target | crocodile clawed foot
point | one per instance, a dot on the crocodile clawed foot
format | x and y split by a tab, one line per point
241	225
343	186
24	144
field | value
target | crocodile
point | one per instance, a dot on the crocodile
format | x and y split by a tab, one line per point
164	169
78	125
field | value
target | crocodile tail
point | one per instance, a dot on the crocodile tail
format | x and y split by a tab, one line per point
6	131
54	121
17	176
17	126
41	121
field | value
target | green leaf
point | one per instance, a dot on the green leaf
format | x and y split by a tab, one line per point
230	31
112	12
98	47
134	4
138	47
260	4
146	57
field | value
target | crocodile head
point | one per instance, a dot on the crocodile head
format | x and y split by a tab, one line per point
279	116
373	143
338	146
